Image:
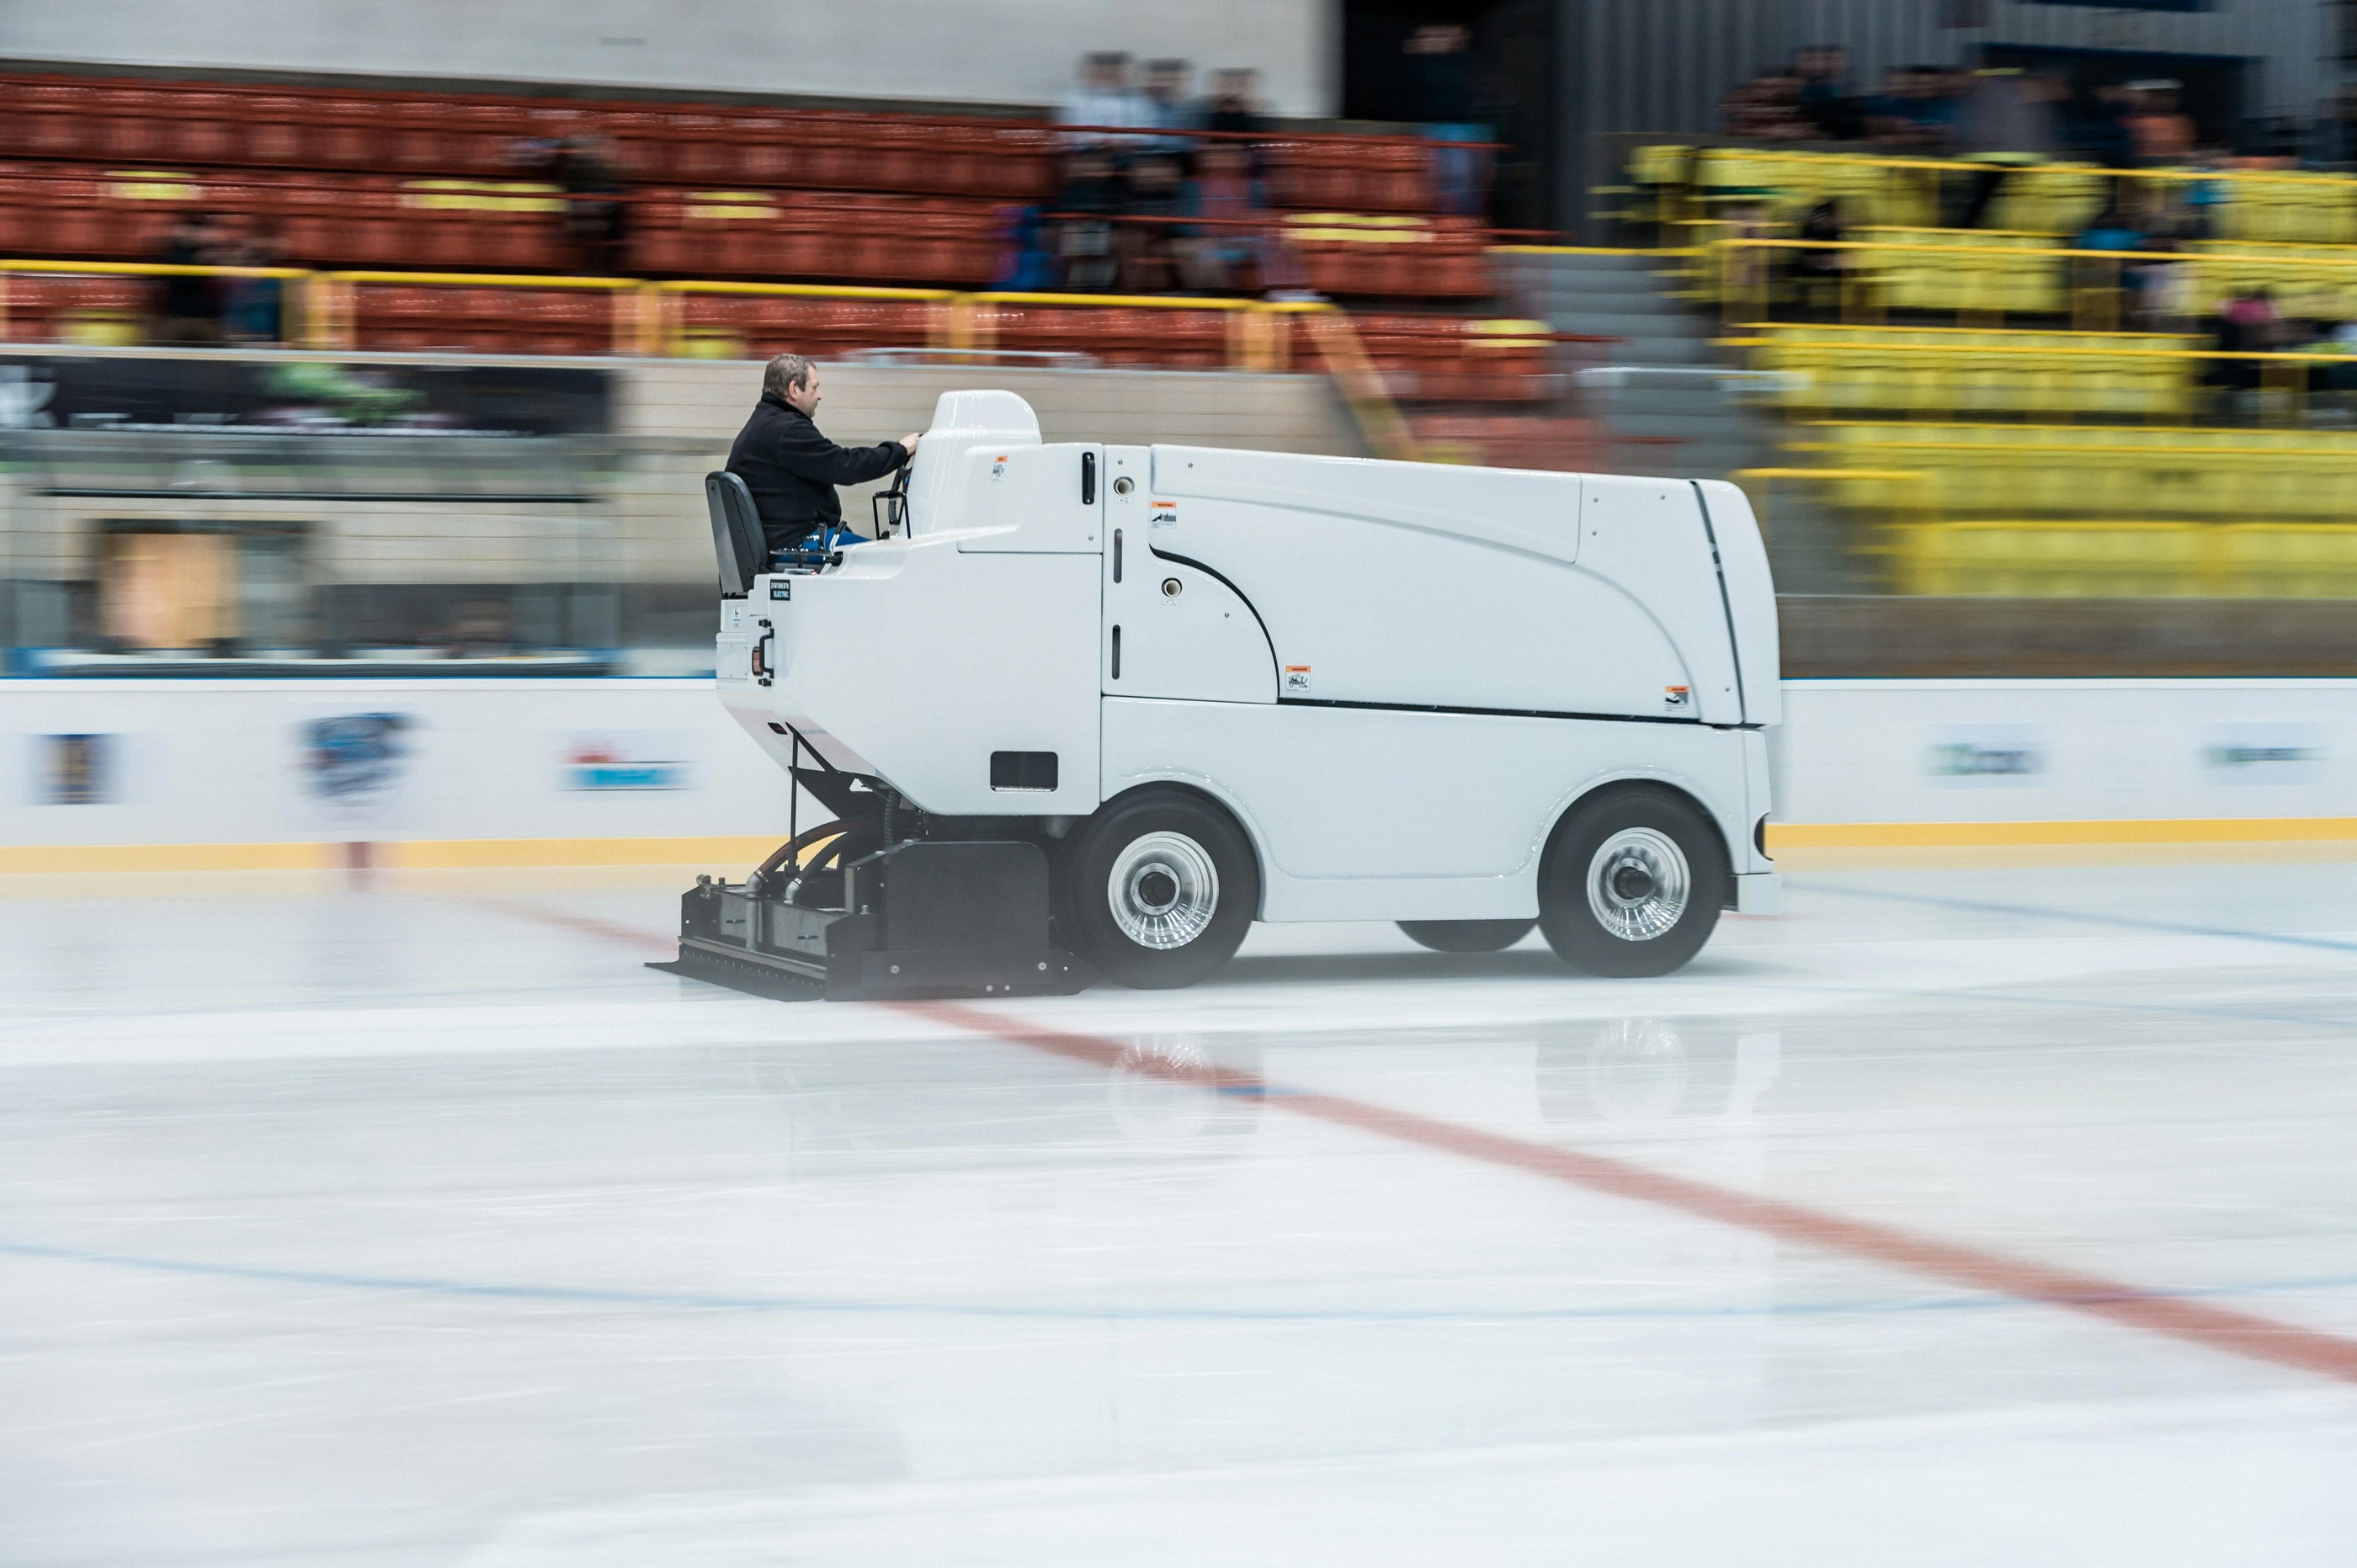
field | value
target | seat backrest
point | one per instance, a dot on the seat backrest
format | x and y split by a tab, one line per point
736	536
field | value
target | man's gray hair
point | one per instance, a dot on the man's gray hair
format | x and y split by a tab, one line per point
785	372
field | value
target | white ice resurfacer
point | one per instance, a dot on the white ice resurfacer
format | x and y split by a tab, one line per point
1087	710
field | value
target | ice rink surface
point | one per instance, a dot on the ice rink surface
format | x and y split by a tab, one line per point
1962	1216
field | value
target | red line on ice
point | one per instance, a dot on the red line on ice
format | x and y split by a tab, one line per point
2195	1322
2223	1328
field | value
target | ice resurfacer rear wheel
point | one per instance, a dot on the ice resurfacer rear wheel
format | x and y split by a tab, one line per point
1631	884
1158	888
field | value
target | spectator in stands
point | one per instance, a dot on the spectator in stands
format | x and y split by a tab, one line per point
791	469
596	216
1940	93
1092	197
2101	133
1440	67
1157	192
2159	134
1899	115
1225	257
188	305
1026	263
2202	198
1765	109
2247	324
1233	105
2110	230
1817	273
1168	107
1102	100
2164	291
2337	347
254	306
2008	119
1825	102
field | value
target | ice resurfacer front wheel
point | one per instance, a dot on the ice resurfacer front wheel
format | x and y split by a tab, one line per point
1631	884
1158	888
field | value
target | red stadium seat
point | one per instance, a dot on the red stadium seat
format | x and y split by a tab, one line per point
347	133
277	131
58	120
135	124
23	212
560	321
700	150
207	127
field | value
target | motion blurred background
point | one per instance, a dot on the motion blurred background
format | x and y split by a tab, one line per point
365	1200
391	343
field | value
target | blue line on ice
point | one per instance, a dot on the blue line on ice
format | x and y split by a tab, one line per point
727	1301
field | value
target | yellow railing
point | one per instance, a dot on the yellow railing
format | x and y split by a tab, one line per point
296	312
332	312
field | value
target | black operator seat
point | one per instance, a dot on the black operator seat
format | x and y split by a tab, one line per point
736	536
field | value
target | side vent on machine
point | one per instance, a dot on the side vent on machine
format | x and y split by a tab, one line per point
1023	770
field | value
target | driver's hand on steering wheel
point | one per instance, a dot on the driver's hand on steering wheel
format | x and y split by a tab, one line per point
909	442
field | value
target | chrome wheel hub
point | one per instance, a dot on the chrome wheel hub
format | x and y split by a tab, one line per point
1638	884
1163	890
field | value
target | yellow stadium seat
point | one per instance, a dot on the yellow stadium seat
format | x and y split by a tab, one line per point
1659	165
2095	472
1944	369
2289	561
2060	559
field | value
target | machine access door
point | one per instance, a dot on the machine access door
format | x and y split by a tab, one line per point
1173	627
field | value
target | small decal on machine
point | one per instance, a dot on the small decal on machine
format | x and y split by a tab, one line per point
1674	696
999	466
1163	514
781	588
1296	679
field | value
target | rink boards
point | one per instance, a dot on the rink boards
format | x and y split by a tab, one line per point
198	774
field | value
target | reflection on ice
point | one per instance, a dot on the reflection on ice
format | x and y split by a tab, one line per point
397	1228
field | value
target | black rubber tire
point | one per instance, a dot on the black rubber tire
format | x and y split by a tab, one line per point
1466	936
1084	895
1572	929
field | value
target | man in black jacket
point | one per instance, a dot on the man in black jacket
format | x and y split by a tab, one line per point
791	468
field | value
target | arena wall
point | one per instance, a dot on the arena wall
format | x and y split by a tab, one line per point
201	774
1012	52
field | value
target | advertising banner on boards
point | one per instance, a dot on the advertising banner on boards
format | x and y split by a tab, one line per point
146	395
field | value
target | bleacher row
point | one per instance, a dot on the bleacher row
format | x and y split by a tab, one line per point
135	122
2036	461
2054	198
2052	559
2043	510
1947	369
1985	274
1421	358
96	213
2097	471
